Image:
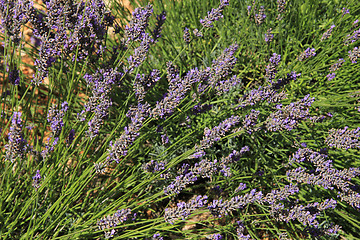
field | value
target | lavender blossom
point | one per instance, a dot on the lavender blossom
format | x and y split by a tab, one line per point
214	15
215	236
281	194
344	138
225	86
344	12
261	94
260	16
119	148
17	145
334	67
331	76
112	221
281	8
13	14
177	89
271	67
241	187
144	83
220	68
269	36
250	121
213	135
14	76
198	33
327	34
160	20
138	23
354	54
55	118
183	209
186	36
36	180
309	52
240	232
219	208
291	77
289	116
157	236
139	53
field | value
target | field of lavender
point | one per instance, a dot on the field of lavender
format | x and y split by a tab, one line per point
186	119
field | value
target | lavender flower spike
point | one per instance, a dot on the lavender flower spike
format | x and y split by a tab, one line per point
17	146
183	209
36	180
138	24
214	15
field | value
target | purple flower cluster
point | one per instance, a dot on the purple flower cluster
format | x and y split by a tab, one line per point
144	83
119	148
215	236
288	117
281	194
269	36
344	138
139	22
17	145
14	76
354	54
334	68
204	169
354	36
325	175
240	232
184	209
281	8
36	180
259	16
111	221
157	236
99	102
222	66
219	208
68	28
213	135
214	15
261	94
304	214
327	34
13	15
140	52
225	86
186	36
291	77
55	118
309	52
177	90
160	20
271	67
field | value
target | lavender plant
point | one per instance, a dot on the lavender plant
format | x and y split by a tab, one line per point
175	124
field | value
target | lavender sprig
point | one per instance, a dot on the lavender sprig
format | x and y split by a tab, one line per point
344	138
214	15
184	209
309	52
17	145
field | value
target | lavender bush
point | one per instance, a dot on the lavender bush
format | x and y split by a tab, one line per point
179	120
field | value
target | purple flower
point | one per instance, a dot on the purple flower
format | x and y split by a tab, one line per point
309	52
36	180
215	236
327	34
186	36
271	67
17	145
219	208
139	55
331	76
214	15
112	221
184	209
213	135
14	76
144	83
344	138
160	20
281	7
354	54
269	35
138	23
